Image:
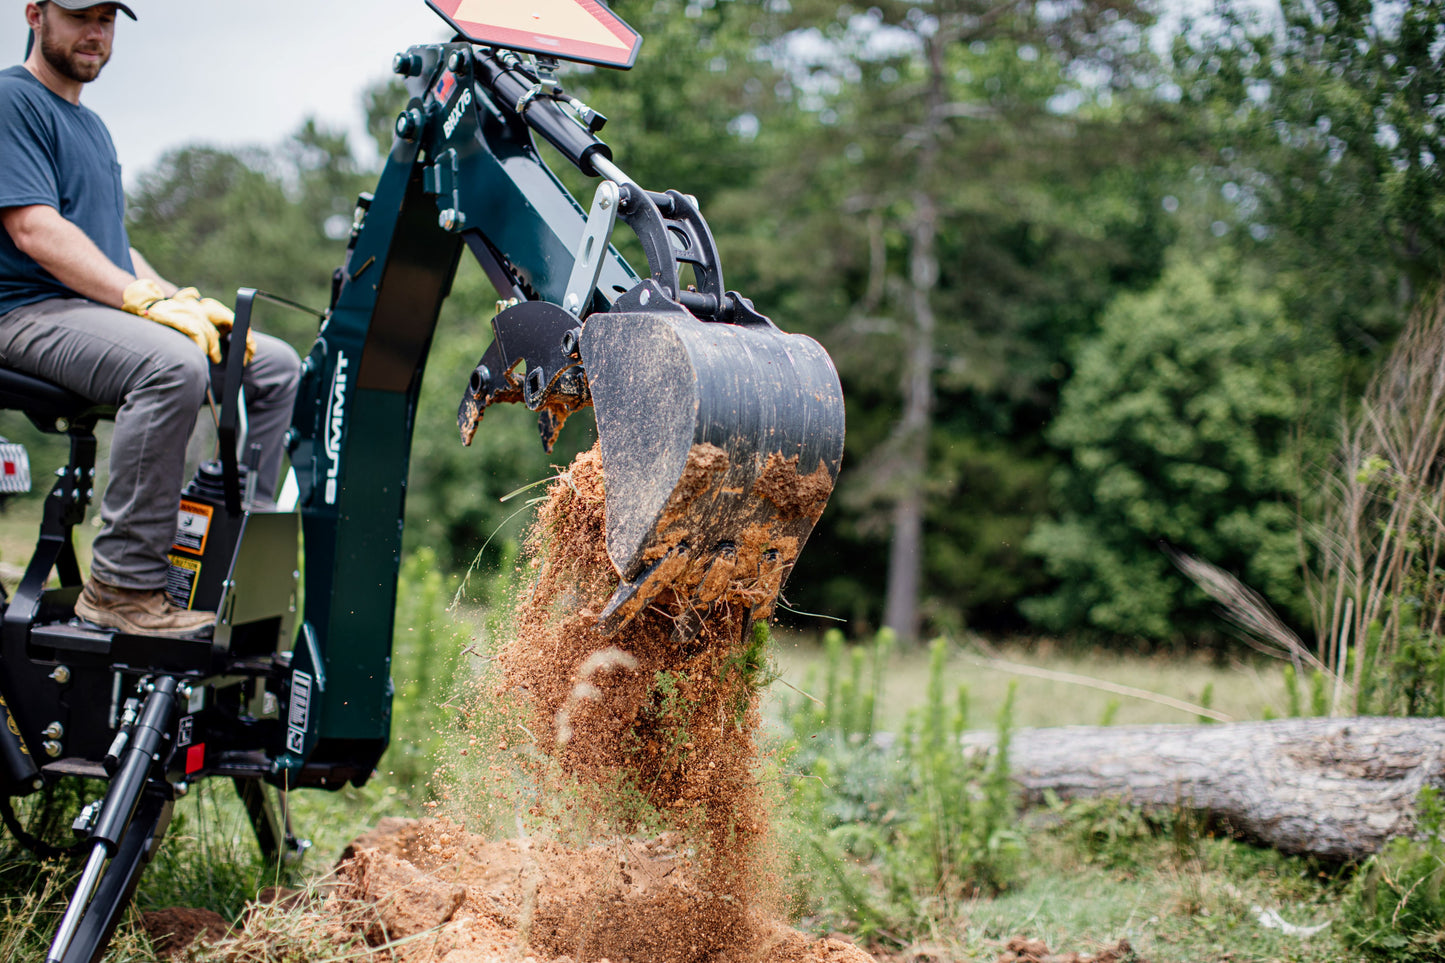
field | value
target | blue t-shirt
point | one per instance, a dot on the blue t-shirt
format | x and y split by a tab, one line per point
60	154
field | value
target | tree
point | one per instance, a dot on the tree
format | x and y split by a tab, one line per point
257	217
967	179
1178	422
1320	122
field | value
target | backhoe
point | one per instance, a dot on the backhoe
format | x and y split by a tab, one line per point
701	404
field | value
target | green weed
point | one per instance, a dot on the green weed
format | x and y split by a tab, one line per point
895	826
1394	908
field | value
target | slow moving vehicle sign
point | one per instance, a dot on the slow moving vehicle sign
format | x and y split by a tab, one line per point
582	30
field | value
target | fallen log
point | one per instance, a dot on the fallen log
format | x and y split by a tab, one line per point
1333	788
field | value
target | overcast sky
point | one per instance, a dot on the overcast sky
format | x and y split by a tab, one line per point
237	73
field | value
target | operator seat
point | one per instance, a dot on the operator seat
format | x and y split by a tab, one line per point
56	411
49	407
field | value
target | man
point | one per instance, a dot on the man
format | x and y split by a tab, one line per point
81	308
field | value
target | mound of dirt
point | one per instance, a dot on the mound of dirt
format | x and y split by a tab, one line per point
171	931
427	891
453	896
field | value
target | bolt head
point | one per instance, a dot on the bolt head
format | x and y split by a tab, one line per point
61	674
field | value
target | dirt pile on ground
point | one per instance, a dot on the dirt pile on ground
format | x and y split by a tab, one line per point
172	930
427	891
463	899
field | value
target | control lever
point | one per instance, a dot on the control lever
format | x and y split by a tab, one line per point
253	473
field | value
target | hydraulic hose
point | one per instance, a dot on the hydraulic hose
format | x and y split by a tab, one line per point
514	91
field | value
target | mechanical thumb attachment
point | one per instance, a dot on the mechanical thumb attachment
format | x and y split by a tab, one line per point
720	445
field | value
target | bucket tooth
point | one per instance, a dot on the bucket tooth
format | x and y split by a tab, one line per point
718	576
634	595
773	569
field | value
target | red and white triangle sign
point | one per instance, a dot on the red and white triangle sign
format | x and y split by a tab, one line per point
582	30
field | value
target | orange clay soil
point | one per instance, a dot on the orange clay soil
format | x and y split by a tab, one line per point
626	765
427	891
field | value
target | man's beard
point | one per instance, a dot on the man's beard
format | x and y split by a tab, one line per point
67	64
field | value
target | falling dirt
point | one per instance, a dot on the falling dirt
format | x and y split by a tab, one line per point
623	766
651	728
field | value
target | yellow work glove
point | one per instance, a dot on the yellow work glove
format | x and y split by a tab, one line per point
143	297
220	315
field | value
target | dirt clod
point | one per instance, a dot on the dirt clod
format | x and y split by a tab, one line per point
172	930
407	900
1022	950
796	495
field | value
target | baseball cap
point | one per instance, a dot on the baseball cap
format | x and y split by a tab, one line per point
86	4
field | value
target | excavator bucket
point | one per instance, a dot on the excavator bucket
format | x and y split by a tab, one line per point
720	444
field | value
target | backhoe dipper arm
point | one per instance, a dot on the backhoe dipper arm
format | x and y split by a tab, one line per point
463	171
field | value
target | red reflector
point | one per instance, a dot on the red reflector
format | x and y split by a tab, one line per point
195	757
9	468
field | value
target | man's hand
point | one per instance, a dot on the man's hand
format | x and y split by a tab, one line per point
220	315
144	298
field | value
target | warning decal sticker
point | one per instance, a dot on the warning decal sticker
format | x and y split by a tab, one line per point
181	579
193	524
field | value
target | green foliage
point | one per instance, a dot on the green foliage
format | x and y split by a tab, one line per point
1394	908
426	651
209	857
220	220
1106	831
1320	119
895	826
1178	424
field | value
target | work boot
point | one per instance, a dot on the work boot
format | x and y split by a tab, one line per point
139	611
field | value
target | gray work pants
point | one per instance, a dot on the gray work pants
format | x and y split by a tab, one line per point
157	378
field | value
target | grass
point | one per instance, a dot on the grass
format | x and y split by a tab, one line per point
1080	877
1167	905
1242	690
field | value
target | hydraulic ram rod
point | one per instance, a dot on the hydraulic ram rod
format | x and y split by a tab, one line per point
144	749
